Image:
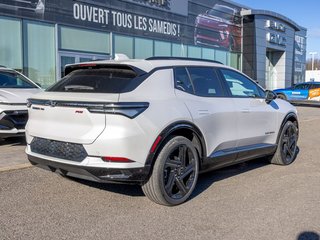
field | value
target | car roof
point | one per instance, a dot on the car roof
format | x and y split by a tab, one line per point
147	65
308	83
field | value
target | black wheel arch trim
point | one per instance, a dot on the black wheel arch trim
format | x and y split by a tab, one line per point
167	132
285	120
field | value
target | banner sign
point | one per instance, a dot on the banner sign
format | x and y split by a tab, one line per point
212	23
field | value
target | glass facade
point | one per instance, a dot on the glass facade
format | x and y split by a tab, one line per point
40	52
36	41
84	40
123	44
194	52
143	48
162	49
11	43
179	50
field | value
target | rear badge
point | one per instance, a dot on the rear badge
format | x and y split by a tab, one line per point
78	111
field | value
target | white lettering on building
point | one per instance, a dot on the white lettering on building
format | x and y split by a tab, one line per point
90	14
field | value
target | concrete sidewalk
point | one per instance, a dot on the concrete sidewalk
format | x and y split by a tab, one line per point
12	154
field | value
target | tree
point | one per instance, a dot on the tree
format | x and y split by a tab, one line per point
316	64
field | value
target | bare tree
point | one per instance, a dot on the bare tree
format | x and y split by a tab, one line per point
316	64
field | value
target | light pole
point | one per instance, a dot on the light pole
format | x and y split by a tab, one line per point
312	58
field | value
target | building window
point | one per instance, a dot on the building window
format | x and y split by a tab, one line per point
179	50
124	45
84	40
162	49
194	52
39	52
10	43
143	48
208	53
235	60
221	56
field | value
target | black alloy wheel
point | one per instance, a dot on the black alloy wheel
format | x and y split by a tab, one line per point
174	174
289	143
287	149
179	173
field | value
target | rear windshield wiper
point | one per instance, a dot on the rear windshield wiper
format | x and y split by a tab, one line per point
78	87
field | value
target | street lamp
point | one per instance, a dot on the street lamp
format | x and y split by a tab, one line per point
312	56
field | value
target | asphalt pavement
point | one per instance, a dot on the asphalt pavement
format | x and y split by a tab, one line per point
255	200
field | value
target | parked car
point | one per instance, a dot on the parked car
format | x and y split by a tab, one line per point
300	92
219	27
157	122
15	88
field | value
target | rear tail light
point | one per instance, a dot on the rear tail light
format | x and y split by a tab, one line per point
130	110
117	159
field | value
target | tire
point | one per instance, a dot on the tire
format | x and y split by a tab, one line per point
287	147
282	96
175	173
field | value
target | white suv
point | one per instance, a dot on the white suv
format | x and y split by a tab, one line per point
157	122
15	89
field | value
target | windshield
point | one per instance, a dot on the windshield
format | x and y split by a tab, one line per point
103	80
10	79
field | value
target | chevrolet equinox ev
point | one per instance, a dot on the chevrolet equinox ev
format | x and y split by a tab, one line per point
157	122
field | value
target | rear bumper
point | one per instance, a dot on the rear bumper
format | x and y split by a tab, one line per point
103	175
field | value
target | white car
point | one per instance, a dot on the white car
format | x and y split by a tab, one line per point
15	89
157	122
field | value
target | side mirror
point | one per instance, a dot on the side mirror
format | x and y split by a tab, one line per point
270	96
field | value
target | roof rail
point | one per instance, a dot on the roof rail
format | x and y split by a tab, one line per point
3	66
183	58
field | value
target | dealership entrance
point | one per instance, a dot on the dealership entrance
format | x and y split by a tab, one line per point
76	57
275	69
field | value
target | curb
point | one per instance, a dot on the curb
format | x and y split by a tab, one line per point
15	167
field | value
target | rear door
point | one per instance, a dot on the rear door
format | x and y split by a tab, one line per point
257	120
211	110
314	92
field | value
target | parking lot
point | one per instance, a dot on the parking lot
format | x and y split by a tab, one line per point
255	200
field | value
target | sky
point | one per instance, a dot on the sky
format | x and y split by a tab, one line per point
305	13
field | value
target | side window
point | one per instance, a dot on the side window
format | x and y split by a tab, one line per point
240	86
301	87
182	80
205	82
315	86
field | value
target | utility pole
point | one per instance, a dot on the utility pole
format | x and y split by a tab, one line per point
312	59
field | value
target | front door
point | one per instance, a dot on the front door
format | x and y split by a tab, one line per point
257	120
299	92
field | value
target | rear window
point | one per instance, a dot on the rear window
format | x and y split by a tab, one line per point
14	80
103	80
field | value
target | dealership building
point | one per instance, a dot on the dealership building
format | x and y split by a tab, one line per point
39	37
